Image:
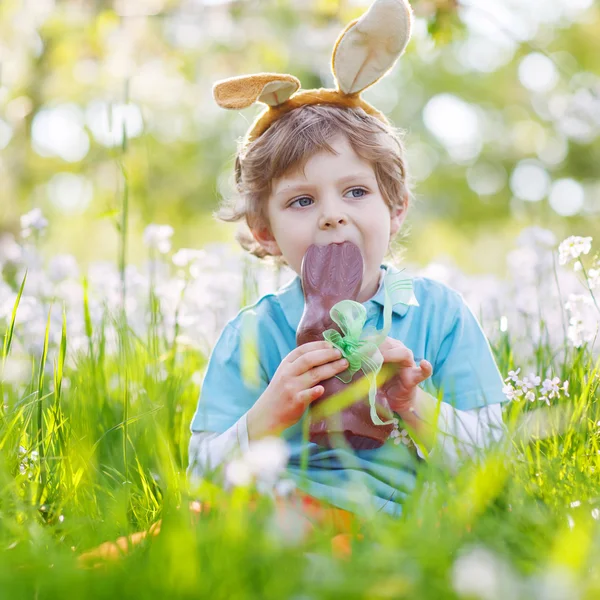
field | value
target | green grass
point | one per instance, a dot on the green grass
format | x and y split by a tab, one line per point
111	431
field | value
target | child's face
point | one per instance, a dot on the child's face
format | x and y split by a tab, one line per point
338	200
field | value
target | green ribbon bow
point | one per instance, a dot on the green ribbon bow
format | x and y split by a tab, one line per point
360	345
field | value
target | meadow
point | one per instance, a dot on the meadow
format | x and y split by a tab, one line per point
101	372
116	281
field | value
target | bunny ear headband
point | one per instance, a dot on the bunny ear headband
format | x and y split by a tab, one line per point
364	52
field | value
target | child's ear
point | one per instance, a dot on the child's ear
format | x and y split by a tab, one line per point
397	216
264	237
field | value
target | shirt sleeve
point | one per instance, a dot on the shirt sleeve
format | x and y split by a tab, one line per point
209	450
465	370
462	434
234	377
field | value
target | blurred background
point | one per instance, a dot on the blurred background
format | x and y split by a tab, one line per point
500	102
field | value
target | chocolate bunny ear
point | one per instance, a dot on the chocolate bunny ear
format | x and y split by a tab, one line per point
368	47
240	92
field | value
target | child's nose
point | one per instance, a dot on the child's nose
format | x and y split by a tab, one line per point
333	216
330	222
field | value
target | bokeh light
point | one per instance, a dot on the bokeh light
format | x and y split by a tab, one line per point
486	179
566	197
479	53
455	124
70	193
537	73
59	132
422	159
529	181
5	134
110	122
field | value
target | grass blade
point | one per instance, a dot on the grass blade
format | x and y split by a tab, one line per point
40	414
8	336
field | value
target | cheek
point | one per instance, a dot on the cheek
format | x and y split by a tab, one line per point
380	225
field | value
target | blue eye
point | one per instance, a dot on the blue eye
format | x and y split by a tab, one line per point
305	201
299	200
359	190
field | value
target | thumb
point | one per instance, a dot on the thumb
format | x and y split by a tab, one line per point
423	371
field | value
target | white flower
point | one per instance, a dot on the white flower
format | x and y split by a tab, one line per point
530	381
264	461
509	391
237	473
572	248
267	457
583	319
556	583
32	221
191	260
285	487
513	376
536	236
481	574
27	462
17	370
10	251
63	266
184	257
530	396
594	278
403	438
565	388
158	237
551	387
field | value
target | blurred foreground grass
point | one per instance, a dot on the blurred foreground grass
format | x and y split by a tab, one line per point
96	447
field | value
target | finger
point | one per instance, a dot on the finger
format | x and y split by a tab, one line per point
313	359
399	356
308	347
312	394
324	372
390	343
426	368
422	372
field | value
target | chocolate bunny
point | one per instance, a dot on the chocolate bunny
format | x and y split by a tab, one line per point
330	274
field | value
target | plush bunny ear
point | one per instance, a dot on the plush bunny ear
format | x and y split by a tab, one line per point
368	47
240	92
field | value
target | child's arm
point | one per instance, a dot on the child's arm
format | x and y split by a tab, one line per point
268	403
463	369
460	433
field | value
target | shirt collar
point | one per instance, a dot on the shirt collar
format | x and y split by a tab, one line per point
291	299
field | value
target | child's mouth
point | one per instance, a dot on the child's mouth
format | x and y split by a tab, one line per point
337	243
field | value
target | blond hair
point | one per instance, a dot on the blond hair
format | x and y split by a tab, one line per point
290	142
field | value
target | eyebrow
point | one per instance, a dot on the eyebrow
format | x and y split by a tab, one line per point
299	184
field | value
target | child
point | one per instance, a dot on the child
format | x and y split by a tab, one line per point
323	167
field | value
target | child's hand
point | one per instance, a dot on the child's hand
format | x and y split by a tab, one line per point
401	389
293	387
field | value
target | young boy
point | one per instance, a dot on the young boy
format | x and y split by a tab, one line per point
324	174
325	167
298	192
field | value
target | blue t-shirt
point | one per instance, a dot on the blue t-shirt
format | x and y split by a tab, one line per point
442	330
